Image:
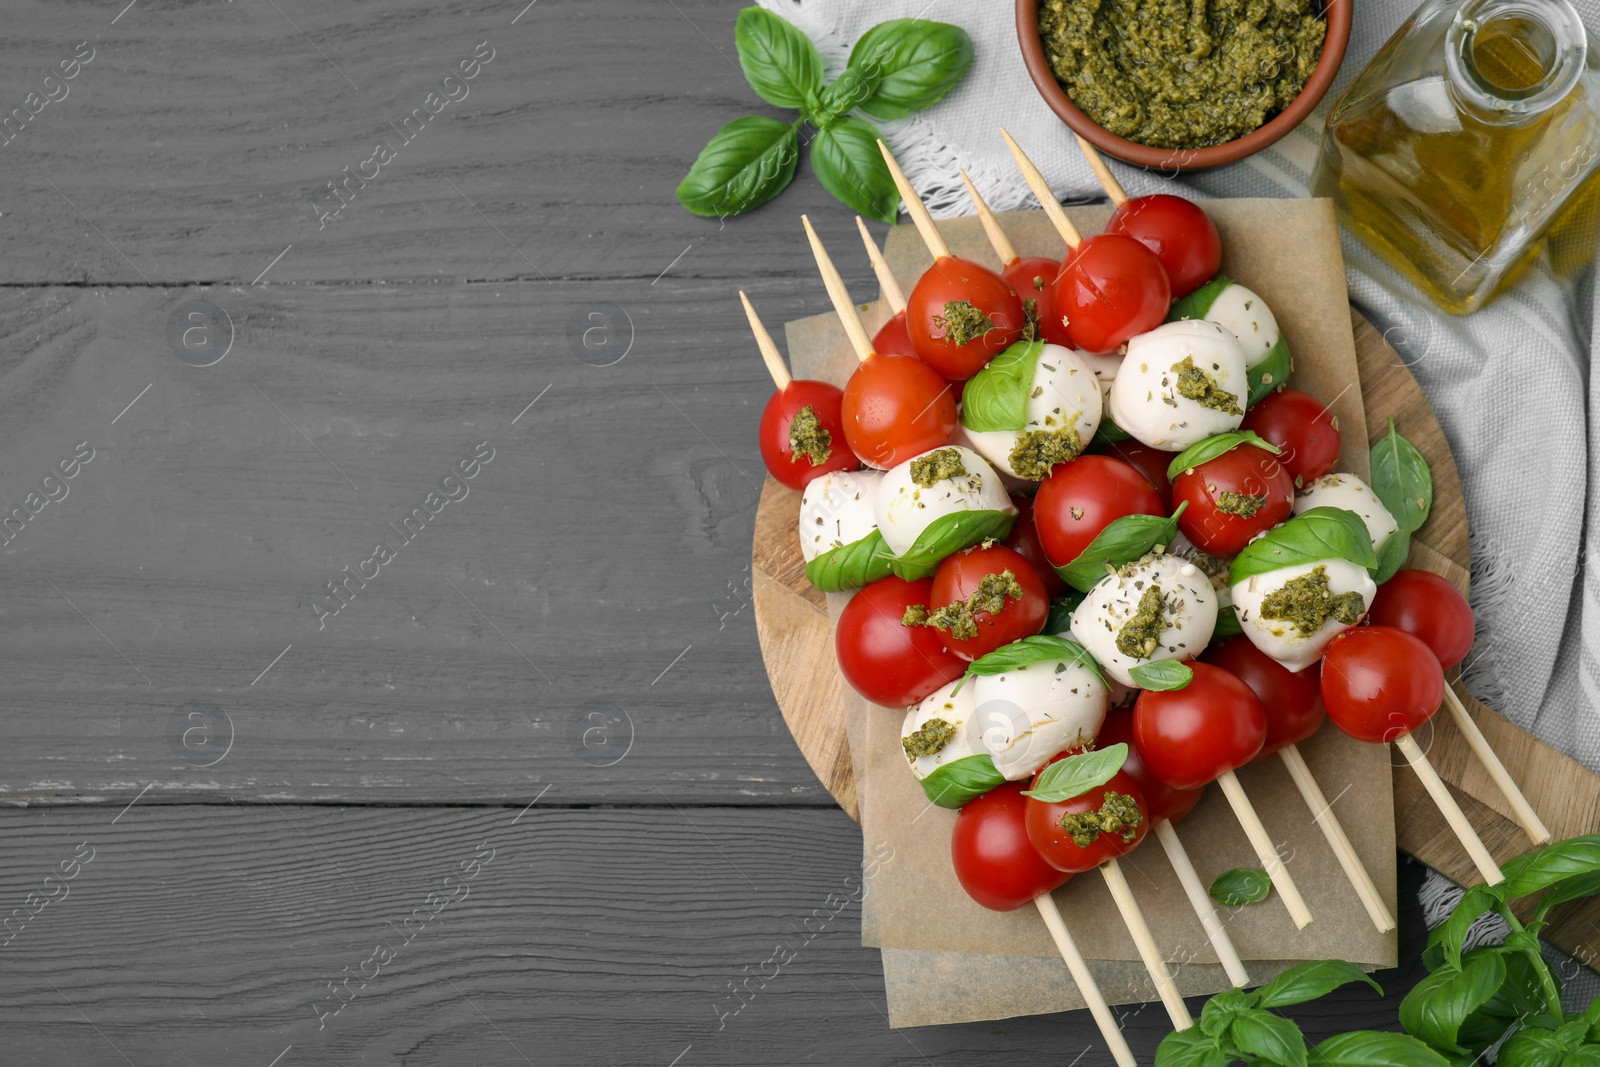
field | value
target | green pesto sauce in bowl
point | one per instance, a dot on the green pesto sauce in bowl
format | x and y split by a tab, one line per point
1181	73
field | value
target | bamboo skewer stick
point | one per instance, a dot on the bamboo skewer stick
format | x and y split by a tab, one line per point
916	208
1322	811
1041	189
769	351
1537	831
1085	980
1189	878
991	226
840	296
1108	181
1149	952
1450	809
886	280
1261	841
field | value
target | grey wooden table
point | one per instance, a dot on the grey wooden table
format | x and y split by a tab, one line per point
512	789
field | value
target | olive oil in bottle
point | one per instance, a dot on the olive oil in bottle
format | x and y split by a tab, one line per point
1454	150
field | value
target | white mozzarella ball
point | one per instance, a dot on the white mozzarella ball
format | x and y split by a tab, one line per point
905	508
1188	613
1145	398
1026	716
1065	395
1105	366
1351	493
1282	639
1245	315
837	509
954	709
1215	567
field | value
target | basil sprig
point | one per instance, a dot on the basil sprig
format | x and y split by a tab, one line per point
947	535
1402	481
1077	774
996	398
1270	374
1241	885
1124	541
897	68
951	785
1163	675
1317	534
1030	650
851	566
1209	449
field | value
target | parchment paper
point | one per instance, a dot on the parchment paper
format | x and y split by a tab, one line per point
940	948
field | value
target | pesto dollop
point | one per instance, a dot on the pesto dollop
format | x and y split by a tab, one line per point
937	466
989	597
809	438
1038	450
915	615
928	739
1244	505
1030	313
1119	814
1200	386
1181	73
1307	602
1141	635
962	322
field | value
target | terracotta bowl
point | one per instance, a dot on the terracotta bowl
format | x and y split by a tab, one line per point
1337	13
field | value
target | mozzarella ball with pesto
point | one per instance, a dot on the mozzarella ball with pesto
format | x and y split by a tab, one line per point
1062	411
1245	315
1351	493
837	509
1293	612
1159	607
944	481
1028	715
942	729
962	437
1179	384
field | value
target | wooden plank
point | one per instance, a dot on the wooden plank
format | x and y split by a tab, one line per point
211	934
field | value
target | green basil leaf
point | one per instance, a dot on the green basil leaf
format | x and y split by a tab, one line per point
747	163
1522	995
1531	1048
1452	933
1059	621
952	784
1271	1038
1311	980
1242	885
1164	675
1198	303
996	398
780	63
1270	374
1402	480
848	164
916	62
1227	623
1212	447
1392	555
847	91
850	566
1375	1048
1527	874
1574	888
1076	775
1191	1048
1034	649
1220	1011
1437	1006
947	535
1124	541
1317	534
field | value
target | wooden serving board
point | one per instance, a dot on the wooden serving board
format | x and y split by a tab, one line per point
797	646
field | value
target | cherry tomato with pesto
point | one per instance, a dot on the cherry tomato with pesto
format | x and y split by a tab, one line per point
1031	276
1084	496
1161	801
994	860
984	598
1232	498
1024	539
1082	833
961	315
1430	609
881	657
818	407
892	338
1292	699
1193	735
1379	683
896	408
1110	289
1150	462
1181	235
1300	425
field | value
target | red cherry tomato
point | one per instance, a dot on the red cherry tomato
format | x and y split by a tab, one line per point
892	339
1031	276
994	860
939	294
1429	608
1190	736
1302	426
1055	841
1084	496
1292	699
1150	462
1182	236
1379	683
961	575
886	661
795	469
1109	290
1161	801
1024	539
895	408
1242	478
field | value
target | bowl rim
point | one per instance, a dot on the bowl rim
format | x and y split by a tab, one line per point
1337	14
